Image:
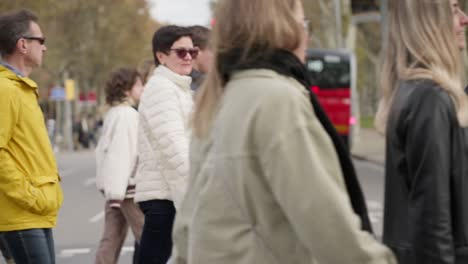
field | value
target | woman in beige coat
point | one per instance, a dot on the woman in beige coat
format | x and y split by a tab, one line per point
268	178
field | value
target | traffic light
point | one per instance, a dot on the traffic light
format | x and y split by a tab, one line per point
362	6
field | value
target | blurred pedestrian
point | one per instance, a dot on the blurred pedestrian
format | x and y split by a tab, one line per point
92	129
81	136
423	112
163	140
50	126
270	179
30	193
116	159
202	64
84	131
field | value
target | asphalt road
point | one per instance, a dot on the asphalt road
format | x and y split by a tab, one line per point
80	220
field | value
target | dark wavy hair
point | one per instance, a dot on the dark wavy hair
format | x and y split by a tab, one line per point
121	80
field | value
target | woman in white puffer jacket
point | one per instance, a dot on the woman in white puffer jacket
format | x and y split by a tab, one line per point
163	140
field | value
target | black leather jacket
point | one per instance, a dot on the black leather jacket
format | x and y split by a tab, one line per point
426	177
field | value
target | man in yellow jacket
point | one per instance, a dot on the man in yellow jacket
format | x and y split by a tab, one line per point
30	193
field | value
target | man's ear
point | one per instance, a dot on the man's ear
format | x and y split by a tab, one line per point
21	45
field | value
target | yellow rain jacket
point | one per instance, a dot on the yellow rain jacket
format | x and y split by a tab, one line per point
30	193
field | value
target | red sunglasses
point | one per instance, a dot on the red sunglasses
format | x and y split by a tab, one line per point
182	52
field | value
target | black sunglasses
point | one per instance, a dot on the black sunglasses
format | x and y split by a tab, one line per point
39	39
182	52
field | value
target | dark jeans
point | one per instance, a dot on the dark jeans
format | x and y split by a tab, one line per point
4	249
156	239
136	253
31	246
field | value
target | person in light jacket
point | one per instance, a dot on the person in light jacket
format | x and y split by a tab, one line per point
270	180
116	160
424	114
201	37
163	140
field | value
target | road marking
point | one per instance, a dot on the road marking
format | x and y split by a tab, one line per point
127	250
375	211
90	181
97	217
374	205
374	219
68	253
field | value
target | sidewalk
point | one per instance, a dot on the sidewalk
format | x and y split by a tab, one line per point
369	145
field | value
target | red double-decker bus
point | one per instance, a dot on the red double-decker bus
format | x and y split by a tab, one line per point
333	75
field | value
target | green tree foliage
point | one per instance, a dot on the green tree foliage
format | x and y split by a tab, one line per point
368	48
87	39
322	18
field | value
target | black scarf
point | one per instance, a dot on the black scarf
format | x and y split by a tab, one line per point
287	64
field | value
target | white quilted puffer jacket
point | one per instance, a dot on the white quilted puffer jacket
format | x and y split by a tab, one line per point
163	137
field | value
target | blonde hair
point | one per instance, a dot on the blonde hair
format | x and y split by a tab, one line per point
264	24
421	46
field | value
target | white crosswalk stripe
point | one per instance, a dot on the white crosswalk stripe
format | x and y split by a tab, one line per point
68	253
375	211
97	217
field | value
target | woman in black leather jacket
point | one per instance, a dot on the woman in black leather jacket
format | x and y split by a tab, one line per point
423	112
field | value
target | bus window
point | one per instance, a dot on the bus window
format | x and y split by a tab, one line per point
329	73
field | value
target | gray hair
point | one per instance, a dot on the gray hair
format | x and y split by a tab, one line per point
13	26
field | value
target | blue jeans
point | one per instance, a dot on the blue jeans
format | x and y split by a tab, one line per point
31	246
156	239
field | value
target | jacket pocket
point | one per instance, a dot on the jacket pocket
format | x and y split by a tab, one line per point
48	194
